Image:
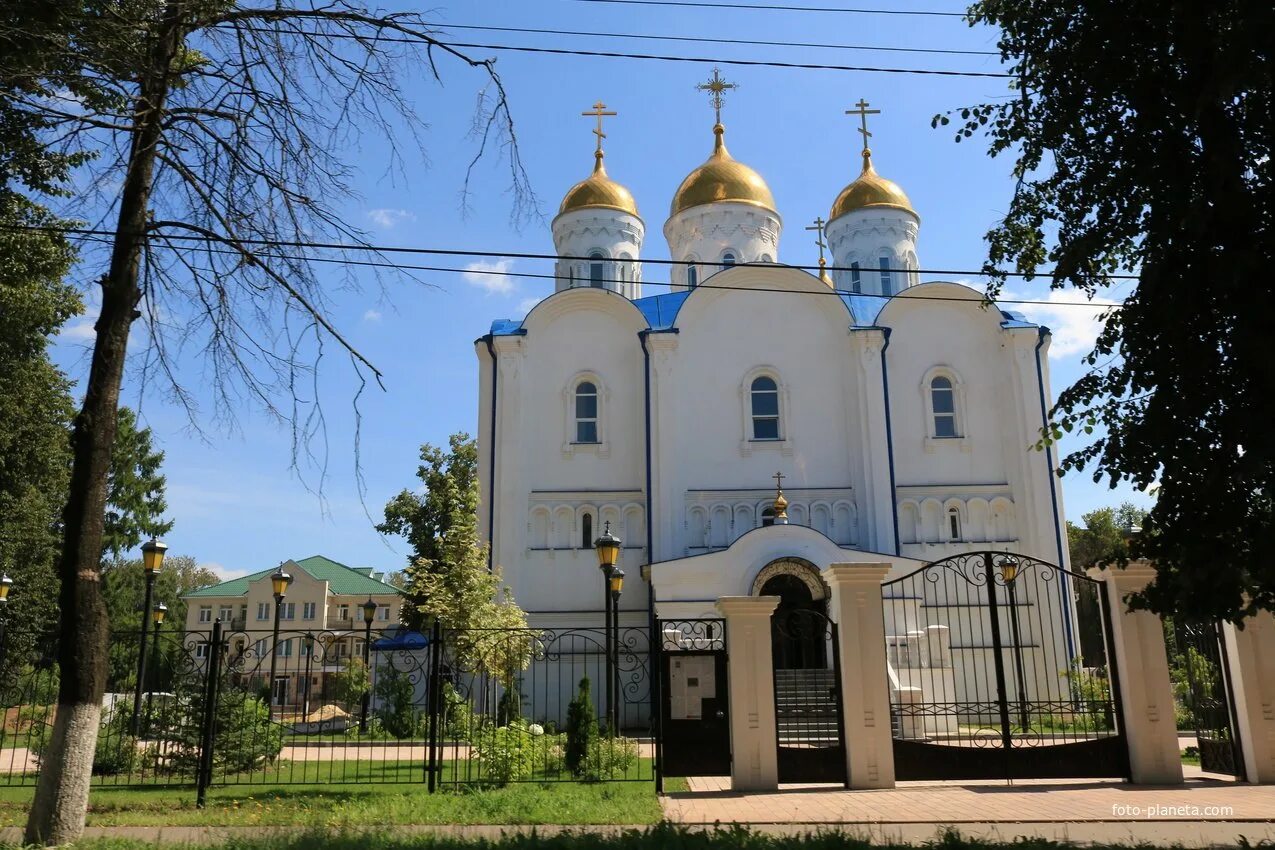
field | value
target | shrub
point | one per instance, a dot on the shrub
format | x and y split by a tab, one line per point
351	683
506	753
458	717
116	749
582	729
244	735
396	703
509	708
609	757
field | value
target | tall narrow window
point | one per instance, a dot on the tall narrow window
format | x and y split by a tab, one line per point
586	532
887	284
692	277
597	269
768	517
953	524
856	277
765	399
943	402
728	260
586	412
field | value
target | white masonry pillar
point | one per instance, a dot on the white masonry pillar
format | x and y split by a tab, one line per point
1250	654
1146	694
750	674
855	606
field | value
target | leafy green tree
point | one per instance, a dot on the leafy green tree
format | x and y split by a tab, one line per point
395	702
135	502
1104	537
1142	135
351	683
582	729
35	409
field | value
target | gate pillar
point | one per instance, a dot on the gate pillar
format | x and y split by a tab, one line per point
1142	664
855	606
750	677
1250	653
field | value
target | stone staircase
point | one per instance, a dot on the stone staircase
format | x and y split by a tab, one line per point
806	708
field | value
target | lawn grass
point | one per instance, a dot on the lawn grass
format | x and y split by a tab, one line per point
351	800
661	837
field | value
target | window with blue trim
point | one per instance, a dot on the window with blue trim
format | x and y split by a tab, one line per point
943	404
586	412
887	282
765	408
856	277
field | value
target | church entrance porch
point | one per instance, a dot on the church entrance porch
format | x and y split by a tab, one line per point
810	736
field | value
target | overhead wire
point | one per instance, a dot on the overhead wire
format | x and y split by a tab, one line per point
778	8
97	237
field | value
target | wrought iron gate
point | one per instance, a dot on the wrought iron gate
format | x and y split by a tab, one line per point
808	712
989	675
1201	683
694	737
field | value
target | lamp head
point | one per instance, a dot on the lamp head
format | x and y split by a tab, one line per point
608	548
158	613
616	580
6	584
279	580
369	611
153	555
1009	568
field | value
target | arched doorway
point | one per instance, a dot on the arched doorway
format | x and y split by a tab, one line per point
797	633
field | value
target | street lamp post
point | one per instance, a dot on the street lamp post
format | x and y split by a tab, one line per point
309	655
617	586
6	584
279	581
1009	572
152	562
369	614
157	616
608	548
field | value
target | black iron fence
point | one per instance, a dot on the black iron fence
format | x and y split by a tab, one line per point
448	708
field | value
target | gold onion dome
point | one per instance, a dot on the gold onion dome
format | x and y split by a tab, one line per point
870	190
721	179
598	190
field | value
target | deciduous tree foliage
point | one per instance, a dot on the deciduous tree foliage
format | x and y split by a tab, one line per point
1142	133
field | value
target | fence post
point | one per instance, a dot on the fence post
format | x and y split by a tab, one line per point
203	773
1250	655
655	658
754	740
433	704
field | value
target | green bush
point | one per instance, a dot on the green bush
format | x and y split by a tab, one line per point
245	737
509	708
506	753
396	702
459	722
582	729
116	749
608	758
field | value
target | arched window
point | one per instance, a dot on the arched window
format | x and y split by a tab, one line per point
765	407
856	277
767	517
597	269
728	260
943	403
586	412
692	277
887	284
586	531
953	524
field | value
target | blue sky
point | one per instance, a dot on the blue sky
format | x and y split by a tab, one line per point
236	503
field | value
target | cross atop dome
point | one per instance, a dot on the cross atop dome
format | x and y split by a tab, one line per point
716	85
861	109
599	111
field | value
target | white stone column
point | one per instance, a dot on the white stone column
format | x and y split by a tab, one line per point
750	674
1250	654
1146	694
855	606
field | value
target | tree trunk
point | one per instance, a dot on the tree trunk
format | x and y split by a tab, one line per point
61	797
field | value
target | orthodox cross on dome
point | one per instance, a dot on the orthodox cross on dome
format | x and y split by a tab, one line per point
781	504
779	481
861	109
715	87
599	111
818	228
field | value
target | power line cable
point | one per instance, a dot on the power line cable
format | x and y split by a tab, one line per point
543	276
776	8
707	40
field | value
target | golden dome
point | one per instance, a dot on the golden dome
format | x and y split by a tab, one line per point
598	190
721	178
870	190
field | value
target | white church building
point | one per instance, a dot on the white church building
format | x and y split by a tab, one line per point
900	412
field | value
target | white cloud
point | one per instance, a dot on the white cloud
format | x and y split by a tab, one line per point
81	330
525	305
1074	328
372	315
387	218
223	572
490	276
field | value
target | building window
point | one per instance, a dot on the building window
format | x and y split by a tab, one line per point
307	610
597	269
887	284
343	612
728	260
953	524
765	399
225	612
586	412
260	648
943	403
205	613
263	610
288	611
856	277
383	612
285	649
586	531
692	277
767	517
201	650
